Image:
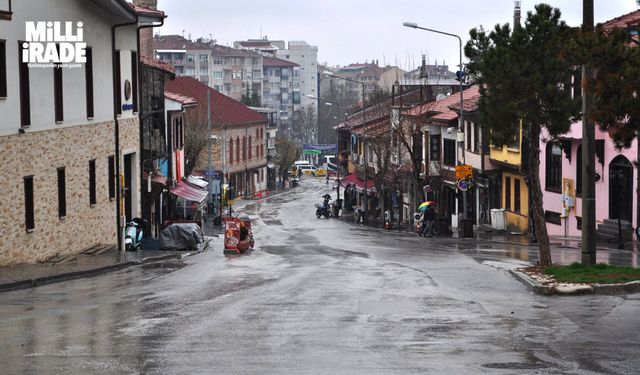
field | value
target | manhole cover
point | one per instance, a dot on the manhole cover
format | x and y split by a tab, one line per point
517	365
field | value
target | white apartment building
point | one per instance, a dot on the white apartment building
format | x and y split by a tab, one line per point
281	90
67	133
306	56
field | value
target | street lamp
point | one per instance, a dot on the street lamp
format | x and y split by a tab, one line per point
460	75
364	133
327	103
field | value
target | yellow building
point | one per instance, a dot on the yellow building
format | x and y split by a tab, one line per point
514	190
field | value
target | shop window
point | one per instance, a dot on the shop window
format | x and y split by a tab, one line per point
552	217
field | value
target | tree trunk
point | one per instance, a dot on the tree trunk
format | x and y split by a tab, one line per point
544	249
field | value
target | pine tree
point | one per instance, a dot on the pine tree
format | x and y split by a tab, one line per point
521	73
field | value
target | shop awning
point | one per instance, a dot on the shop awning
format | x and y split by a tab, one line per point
190	193
352	179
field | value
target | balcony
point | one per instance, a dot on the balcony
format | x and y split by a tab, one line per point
178	62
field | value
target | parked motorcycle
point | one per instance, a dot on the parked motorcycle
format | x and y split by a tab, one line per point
134	233
324	209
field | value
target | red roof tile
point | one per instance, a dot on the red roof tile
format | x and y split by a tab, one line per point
440	109
182	99
143	11
624	21
224	110
158	64
274	61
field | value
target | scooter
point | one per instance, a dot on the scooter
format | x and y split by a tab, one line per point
324	210
134	233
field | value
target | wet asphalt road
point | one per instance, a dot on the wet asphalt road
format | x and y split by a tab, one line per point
318	297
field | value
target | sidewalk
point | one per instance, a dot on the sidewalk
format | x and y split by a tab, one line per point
95	261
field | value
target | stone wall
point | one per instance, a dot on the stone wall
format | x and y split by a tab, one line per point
40	154
222	145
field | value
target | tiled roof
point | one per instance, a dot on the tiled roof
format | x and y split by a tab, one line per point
182	99
142	11
219	50
441	108
158	64
224	110
375	129
176	42
273	61
469	104
624	21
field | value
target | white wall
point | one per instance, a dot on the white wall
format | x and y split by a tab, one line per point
97	34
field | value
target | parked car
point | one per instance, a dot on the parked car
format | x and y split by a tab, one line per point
308	169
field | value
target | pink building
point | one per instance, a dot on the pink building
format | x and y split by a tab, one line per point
560	176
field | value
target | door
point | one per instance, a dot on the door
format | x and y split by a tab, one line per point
128	168
620	189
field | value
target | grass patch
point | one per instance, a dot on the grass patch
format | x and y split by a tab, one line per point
600	273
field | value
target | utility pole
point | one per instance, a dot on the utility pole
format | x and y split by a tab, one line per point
588	152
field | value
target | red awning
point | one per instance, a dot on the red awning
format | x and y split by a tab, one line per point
352	179
190	193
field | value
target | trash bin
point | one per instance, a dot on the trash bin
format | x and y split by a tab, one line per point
467	228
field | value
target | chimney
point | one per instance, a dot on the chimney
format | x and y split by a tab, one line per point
516	13
146	35
423	67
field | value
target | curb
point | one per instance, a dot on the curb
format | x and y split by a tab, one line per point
53	279
599	289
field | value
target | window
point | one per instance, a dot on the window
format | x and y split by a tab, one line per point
29	217
88	82
238	150
112	177
5	10
190	71
516	195
579	171
552	217
118	80
507	193
434	147
244	148
250	147
449	152
217	61
3	68
190	57
204	58
468	131
477	146
231	151
25	97
578	223
553	166
257	73
58	97
92	182
217	75
62	194
204	71
134	80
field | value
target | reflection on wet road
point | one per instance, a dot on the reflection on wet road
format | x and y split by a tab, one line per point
318	296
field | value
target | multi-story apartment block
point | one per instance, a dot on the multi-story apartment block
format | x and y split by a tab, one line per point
306	56
228	70
69	136
281	90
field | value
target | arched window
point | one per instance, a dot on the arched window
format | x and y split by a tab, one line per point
553	166
231	151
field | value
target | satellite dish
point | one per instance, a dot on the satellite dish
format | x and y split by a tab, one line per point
440	97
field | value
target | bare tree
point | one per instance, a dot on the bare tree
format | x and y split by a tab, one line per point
308	132
195	136
287	153
380	145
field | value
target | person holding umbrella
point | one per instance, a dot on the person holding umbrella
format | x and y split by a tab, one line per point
428	218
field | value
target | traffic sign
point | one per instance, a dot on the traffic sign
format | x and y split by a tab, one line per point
464	184
464	171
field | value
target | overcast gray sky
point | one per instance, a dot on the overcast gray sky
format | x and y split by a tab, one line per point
347	31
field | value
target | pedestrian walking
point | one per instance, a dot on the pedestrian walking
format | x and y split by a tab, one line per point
430	219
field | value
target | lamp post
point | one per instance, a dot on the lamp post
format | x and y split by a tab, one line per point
460	75
364	133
